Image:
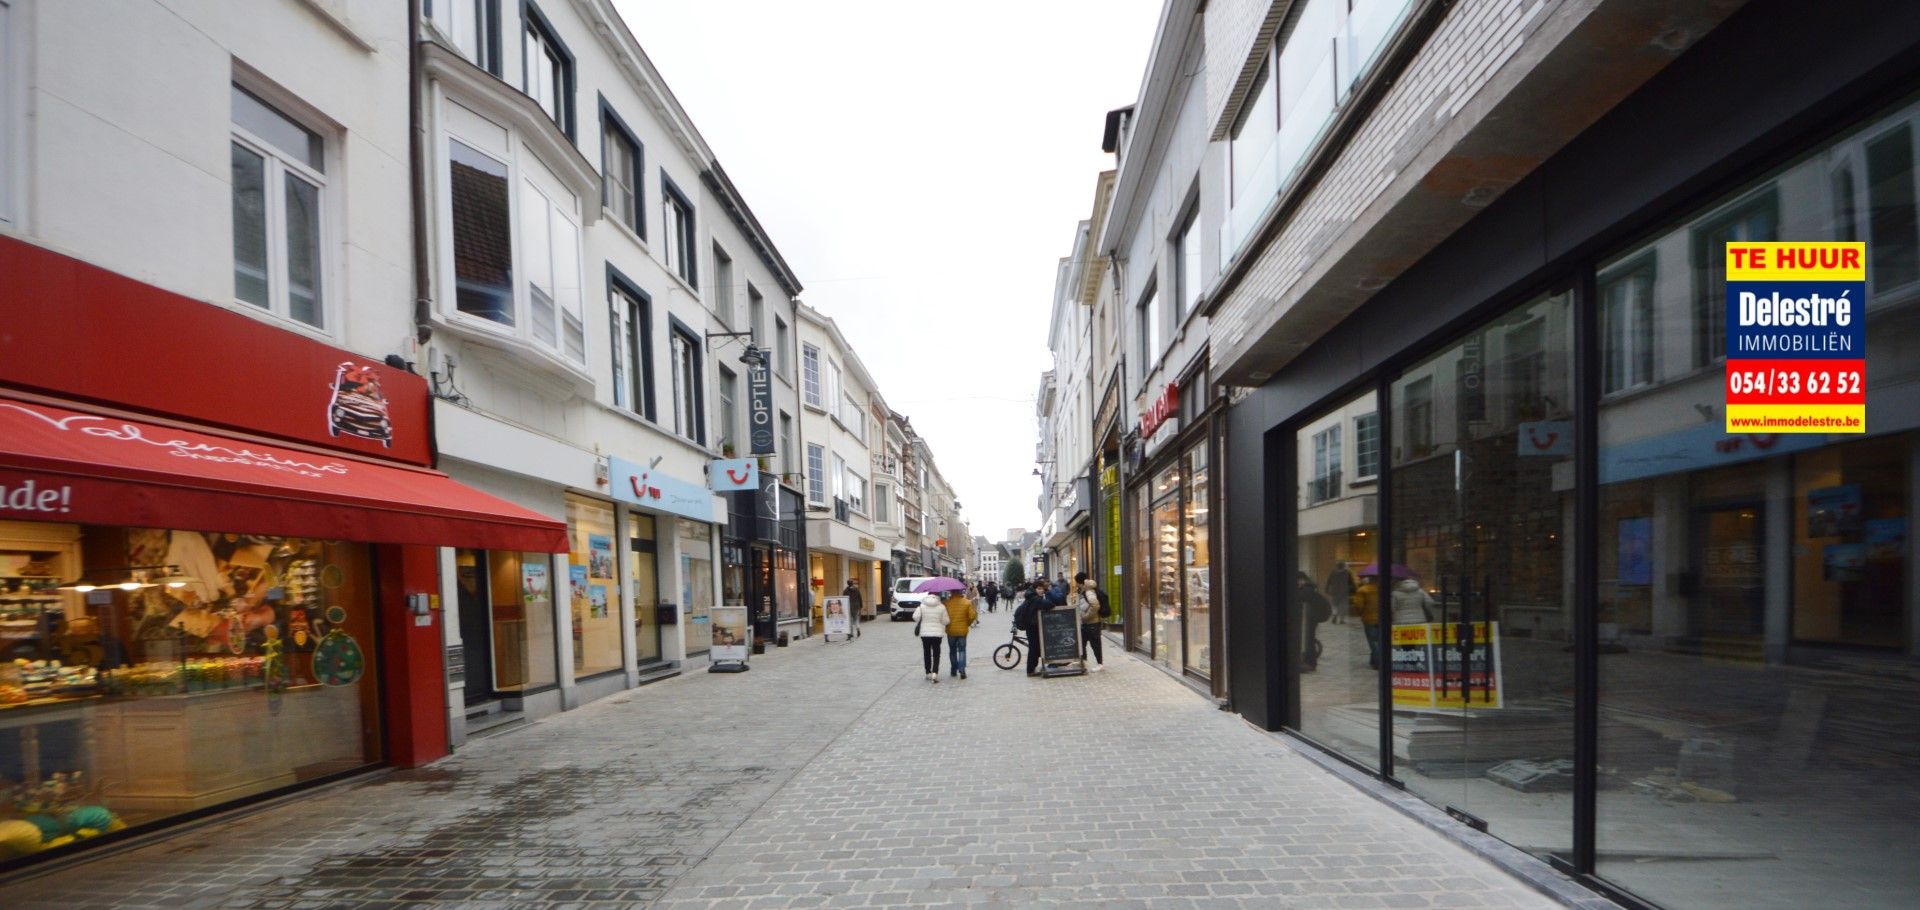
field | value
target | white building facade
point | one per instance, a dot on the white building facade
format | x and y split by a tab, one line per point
837	403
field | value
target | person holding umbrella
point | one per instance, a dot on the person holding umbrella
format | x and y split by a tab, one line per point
930	626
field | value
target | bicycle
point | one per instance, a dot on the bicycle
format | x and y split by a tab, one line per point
1008	656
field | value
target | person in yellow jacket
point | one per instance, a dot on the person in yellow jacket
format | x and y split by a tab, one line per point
1366	603
961	618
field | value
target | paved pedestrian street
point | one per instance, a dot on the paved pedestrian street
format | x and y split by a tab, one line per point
832	775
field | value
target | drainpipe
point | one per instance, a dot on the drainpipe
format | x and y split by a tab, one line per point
416	151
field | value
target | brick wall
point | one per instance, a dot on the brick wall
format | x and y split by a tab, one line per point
1233	29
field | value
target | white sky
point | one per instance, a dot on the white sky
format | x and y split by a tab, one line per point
922	167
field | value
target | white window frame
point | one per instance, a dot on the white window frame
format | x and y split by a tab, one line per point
810	377
782	358
468	27
816	474
856	492
549	87
505	147
279	166
683	358
882	506
1359	464
721	287
680	233
830	390
1326	466
839	477
726	395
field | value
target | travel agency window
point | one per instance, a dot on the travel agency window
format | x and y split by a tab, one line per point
279	177
643	572
150	673
506	621
593	586
1757	604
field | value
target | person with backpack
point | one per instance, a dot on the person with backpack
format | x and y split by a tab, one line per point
930	626
1314	610
1026	618
1093	611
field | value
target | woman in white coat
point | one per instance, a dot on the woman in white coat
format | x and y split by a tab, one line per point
930	624
1412	605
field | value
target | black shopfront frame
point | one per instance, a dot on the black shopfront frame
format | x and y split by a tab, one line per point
1648	162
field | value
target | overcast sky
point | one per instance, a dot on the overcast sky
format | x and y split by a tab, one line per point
922	167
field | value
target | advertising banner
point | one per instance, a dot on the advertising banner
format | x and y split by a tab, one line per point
647	487
1796	342
838	620
732	636
1433	668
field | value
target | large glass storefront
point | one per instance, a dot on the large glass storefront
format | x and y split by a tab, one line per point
1173	586
593	587
149	673
1759	700
1753	619
643	572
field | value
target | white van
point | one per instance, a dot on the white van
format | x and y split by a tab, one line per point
905	598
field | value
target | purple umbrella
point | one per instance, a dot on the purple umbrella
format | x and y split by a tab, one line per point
939	585
1399	571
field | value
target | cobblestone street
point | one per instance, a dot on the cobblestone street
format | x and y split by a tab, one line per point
829	776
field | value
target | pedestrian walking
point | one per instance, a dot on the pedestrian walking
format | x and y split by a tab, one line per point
961	618
1412	605
1026	618
854	601
1366	603
1314	610
1092	607
1339	591
992	593
930	626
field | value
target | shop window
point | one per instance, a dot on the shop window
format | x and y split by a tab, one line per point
1332	633
473	26
547	69
631	316
682	242
684	350
622	161
593	586
1196	564
152	673
810	376
696	581
1476	601
1366	447
786	584
279	179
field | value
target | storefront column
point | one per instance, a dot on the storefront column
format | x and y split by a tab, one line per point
410	655
623	560
563	632
449	588
667	543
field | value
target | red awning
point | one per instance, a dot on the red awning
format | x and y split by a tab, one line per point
61	463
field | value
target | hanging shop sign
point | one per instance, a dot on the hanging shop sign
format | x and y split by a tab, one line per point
729	474
1163	409
1434	666
646	486
760	409
1796	340
1539	438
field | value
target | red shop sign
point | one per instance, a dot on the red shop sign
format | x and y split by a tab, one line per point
1160	411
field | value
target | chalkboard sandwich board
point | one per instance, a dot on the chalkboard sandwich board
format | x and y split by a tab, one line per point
1060	643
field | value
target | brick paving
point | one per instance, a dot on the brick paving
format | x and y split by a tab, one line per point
829	776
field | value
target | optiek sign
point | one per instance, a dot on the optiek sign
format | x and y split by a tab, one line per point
760	409
1796	337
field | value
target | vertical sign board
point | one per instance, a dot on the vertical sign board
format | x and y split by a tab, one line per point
760	409
1060	642
838	620
732	636
1110	497
1796	337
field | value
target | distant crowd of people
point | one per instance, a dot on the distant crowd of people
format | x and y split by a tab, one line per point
950	616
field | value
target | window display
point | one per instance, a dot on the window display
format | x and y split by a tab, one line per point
591	585
149	672
1196	562
1334	599
643	571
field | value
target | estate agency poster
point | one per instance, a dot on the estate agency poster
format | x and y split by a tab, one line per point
1432	668
1796	340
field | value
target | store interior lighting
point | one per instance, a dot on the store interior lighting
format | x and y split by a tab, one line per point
129	578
